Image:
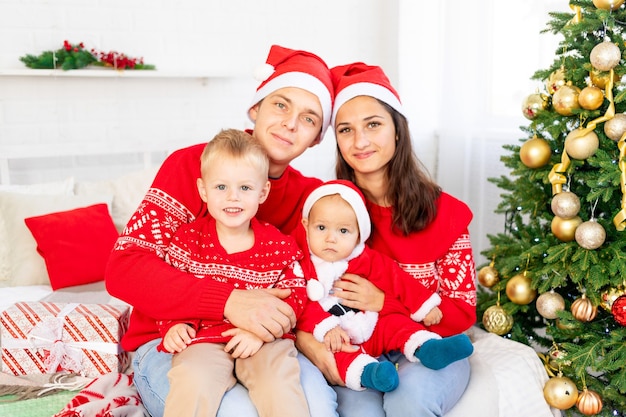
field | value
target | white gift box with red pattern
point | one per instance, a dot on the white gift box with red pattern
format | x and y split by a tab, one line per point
43	337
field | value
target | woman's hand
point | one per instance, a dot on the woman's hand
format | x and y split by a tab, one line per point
359	293
319	355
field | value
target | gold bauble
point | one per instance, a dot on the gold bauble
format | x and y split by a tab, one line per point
589	402
555	81
535	152
609	296
549	303
560	392
590	97
583	309
533	104
565	229
590	235
488	276
608	4
579	146
605	56
614	128
497	320
601	78
519	290
565	205
565	100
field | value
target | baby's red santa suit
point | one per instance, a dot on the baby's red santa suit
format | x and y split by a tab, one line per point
362	261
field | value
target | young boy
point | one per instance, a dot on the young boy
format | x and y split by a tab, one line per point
232	246
291	110
337	224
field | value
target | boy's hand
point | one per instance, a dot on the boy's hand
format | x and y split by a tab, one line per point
178	337
335	338
243	343
434	316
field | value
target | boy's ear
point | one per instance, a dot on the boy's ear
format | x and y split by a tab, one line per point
265	192
201	189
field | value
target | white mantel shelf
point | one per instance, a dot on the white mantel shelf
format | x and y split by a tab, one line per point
111	73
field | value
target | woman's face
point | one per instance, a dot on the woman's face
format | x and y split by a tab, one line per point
366	135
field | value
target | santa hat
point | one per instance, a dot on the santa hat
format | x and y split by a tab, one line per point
353	196
359	79
290	68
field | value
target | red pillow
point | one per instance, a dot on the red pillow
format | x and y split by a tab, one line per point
75	244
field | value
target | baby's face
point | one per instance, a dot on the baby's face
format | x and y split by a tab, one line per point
332	228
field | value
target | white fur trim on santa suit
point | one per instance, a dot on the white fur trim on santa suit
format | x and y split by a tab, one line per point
432	302
359	325
355	371
324	327
304	81
416	340
365	89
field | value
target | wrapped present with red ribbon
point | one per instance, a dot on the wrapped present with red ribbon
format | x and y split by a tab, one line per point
44	337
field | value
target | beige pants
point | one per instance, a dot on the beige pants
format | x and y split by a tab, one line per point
202	373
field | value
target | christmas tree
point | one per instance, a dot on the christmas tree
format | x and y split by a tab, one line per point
557	275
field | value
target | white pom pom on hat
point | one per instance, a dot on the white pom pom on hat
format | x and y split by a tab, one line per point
263	72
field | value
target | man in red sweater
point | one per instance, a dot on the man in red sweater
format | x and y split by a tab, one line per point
291	111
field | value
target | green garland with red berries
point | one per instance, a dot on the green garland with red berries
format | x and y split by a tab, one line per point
75	56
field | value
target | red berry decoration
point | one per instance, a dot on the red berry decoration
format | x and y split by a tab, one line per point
619	310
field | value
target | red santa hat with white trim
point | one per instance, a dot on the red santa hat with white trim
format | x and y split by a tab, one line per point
359	79
353	196
286	67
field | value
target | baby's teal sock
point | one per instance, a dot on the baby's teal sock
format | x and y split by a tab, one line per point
439	353
381	376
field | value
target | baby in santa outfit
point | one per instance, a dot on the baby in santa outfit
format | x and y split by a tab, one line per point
336	227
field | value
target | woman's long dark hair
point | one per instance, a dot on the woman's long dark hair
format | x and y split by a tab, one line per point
412	193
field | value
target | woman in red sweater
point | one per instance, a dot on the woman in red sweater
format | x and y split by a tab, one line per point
422	228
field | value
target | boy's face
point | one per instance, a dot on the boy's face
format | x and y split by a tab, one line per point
332	228
286	122
232	189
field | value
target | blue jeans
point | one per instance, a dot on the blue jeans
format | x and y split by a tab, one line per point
151	368
422	392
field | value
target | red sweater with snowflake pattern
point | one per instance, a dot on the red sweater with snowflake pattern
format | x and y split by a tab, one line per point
137	273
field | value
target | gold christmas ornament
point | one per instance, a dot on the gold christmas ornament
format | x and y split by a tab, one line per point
608	4
533	104
580	145
589	402
560	392
519	289
565	229
565	205
605	56
488	276
583	309
535	152
615	127
601	78
565	100
590	234
497	320
555	81
590	97
549	303
609	296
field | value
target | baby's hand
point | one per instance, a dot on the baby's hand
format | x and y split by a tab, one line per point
335	338
178	337
243	343
434	316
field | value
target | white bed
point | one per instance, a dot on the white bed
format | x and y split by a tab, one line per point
507	377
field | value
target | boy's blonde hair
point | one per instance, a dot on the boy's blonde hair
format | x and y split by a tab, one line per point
238	144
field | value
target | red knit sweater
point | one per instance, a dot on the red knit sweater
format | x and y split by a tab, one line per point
137	273
440	256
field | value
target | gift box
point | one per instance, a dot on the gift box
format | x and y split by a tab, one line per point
44	337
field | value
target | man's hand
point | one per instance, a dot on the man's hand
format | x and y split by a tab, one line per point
261	312
243	343
357	292
178	337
